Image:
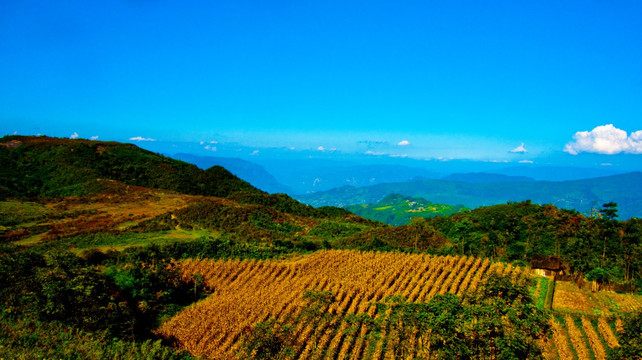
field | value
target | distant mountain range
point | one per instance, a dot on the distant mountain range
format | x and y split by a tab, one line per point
245	170
581	195
304	176
486	178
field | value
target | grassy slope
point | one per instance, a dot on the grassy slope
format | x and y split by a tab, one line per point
397	209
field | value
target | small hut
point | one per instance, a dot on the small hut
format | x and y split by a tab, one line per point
547	265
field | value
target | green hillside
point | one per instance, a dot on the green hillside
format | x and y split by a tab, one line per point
395	209
47	167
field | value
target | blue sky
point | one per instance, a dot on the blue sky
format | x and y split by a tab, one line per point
383	79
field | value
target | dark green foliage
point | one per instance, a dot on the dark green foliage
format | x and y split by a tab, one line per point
269	339
419	235
630	340
80	296
201	248
285	204
156	290
334	229
127	301
32	339
19	284
59	287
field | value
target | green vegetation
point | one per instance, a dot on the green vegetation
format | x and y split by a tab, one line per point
32	339
395	209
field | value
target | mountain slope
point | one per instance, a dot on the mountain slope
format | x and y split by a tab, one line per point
43	166
581	195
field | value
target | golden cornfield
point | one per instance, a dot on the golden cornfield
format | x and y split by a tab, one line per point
577	337
245	292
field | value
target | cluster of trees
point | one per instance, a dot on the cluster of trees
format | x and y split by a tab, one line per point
598	247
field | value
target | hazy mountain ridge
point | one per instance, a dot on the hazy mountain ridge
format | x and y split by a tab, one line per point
248	171
581	195
304	176
482	177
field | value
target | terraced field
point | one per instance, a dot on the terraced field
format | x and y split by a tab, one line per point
569	298
246	292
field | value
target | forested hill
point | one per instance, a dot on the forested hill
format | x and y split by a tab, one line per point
580	195
45	167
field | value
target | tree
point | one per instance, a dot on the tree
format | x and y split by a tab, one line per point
630	341
609	210
269	339
631	248
608	226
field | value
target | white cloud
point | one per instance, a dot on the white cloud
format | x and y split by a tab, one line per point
605	139
15	132
376	153
606	164
255	152
520	149
525	161
209	147
74	135
202	142
95	137
321	148
372	142
399	155
403	143
140	138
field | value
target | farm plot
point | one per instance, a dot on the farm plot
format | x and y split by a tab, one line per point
245	292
